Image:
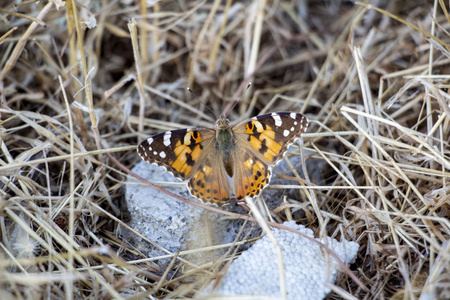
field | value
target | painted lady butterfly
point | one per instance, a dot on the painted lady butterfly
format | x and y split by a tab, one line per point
207	156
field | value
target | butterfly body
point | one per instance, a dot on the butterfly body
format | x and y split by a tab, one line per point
226	142
207	157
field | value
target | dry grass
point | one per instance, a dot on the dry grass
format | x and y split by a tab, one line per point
373	83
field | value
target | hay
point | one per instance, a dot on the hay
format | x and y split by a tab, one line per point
82	80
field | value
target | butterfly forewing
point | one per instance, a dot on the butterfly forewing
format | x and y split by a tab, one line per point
179	151
271	134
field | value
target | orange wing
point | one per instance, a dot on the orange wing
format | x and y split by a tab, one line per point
210	182
179	151
190	154
262	143
251	175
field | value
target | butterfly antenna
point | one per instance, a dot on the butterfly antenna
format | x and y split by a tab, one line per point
240	98
192	92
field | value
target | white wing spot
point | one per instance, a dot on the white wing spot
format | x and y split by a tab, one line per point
143	151
150	140
293	115
292	128
155	153
286	132
167	136
295	123
259	127
277	119
162	154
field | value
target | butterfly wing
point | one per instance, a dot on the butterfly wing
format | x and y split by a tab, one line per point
262	143
178	150
210	182
250	175
190	154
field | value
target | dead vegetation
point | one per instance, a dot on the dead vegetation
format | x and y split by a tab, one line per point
82	79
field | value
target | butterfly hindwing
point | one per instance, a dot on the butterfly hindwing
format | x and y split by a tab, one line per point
210	182
178	150
250	176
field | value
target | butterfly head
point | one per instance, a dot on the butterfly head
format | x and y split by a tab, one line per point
222	123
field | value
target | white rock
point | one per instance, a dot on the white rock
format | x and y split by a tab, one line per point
256	273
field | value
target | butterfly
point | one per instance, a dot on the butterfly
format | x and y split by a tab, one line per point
207	157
